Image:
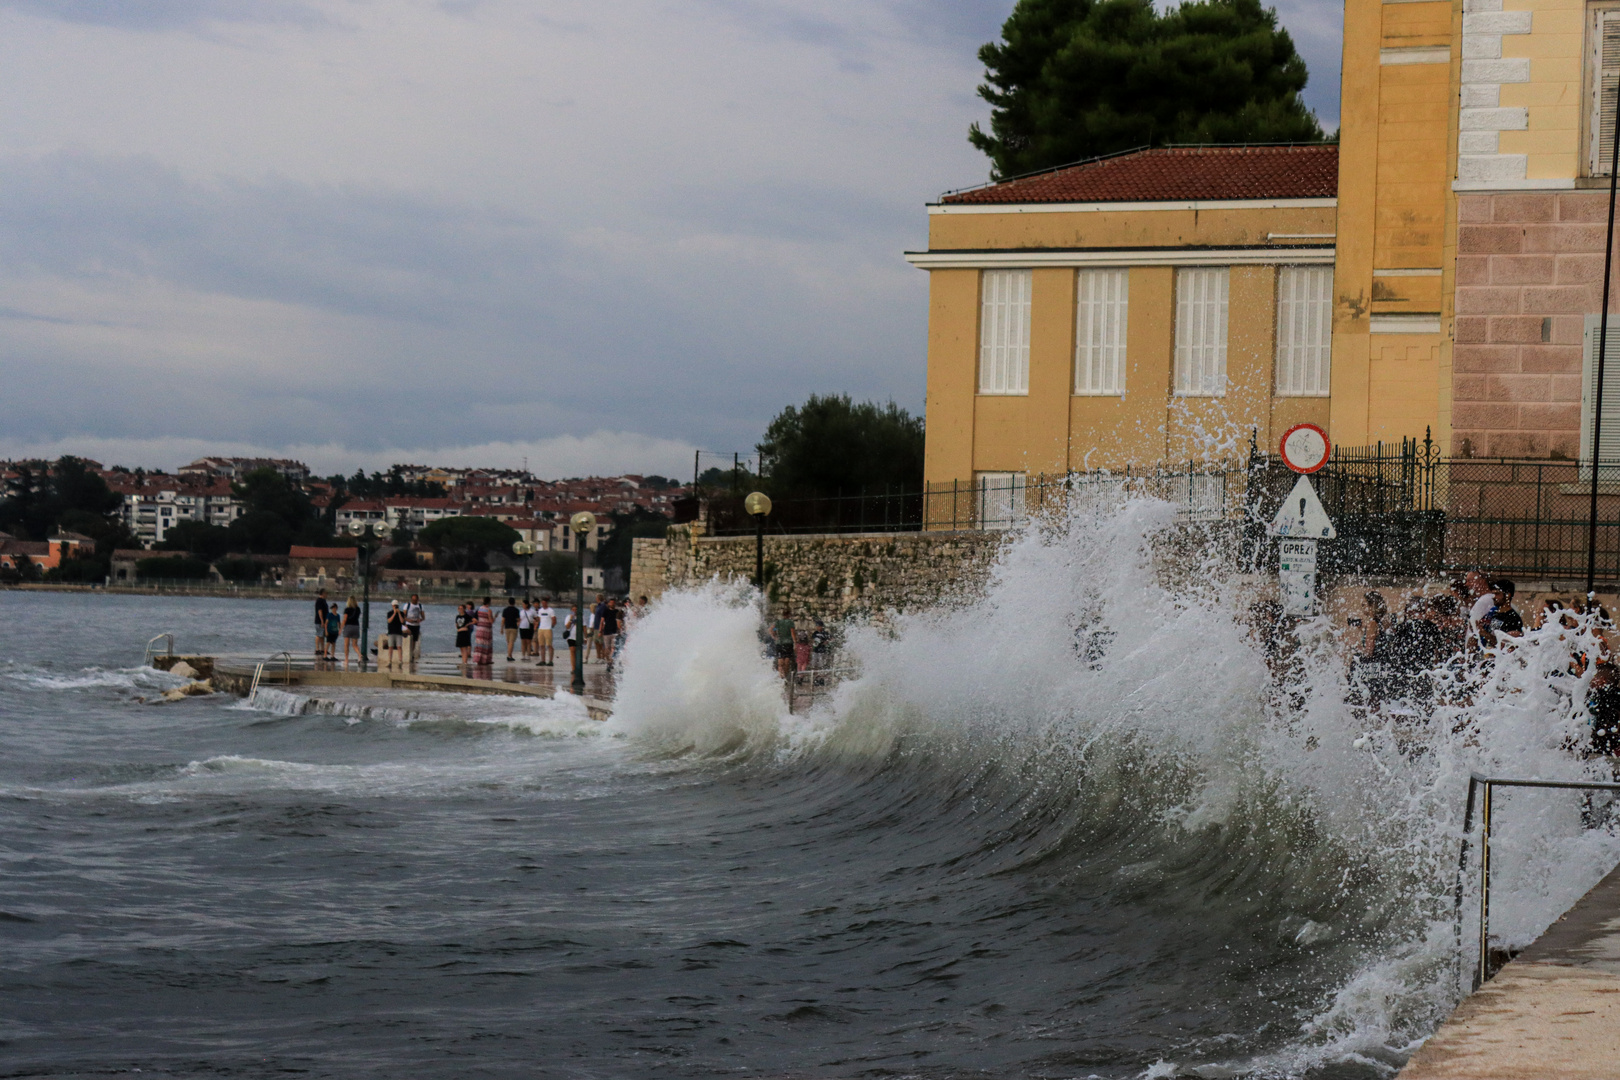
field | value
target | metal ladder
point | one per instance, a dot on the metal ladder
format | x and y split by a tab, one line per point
258	672
147	660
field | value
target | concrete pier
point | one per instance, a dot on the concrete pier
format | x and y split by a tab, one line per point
1553	1013
435	671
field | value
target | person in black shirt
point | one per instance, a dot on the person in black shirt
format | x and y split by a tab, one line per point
321	608
510	615
464	621
396	631
1504	620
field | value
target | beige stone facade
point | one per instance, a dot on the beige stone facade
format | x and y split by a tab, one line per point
1529	270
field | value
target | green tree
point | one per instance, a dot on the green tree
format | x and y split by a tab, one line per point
461	543
831	445
1077	79
209	541
64	494
244	571
172	568
619	547
558	573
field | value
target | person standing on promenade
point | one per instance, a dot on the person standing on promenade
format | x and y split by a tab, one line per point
334	627
396	632
573	634
483	653
509	623
351	630
321	607
595	623
545	617
782	633
464	621
525	630
415	616
609	624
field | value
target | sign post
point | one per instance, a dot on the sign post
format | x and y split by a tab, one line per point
1301	521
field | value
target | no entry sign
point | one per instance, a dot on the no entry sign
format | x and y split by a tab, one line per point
1305	448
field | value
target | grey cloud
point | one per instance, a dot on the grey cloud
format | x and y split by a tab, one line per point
168	14
464	323
785	210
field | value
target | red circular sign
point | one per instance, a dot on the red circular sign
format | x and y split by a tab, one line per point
1305	448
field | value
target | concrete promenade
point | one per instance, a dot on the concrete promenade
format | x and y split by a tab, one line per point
432	671
1553	1013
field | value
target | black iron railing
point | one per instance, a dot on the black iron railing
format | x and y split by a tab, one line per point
1399	508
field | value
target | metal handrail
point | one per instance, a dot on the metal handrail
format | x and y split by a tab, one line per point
1484	784
258	672
157	637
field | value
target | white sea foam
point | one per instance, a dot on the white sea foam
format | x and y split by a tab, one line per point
562	716
137	678
1113	684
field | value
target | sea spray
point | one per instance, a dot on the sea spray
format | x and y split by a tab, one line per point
1085	711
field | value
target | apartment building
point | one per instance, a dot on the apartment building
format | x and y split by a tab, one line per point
1438	272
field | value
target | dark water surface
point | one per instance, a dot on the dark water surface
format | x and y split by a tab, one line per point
493	888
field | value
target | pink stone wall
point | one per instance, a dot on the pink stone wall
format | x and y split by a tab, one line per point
1529	270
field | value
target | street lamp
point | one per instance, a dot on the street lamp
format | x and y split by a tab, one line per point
582	523
523	549
759	504
361	531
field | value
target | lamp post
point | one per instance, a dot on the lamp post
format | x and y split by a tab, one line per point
523	549
582	523
759	504
1597	388
362	532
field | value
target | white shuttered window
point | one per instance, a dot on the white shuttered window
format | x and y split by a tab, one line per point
1004	332
1304	330
1609	447
1201	331
1102	298
999	499
1603	64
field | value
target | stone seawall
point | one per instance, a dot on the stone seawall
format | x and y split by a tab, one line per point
833	576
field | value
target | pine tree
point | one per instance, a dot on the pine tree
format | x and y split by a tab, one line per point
1077	79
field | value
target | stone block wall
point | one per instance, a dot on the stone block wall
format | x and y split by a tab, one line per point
1529	269
831	576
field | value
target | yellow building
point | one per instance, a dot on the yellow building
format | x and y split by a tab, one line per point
1158	306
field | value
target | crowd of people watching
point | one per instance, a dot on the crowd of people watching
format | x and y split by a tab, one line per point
1397	655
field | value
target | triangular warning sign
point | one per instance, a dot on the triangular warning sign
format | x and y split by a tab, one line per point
1301	514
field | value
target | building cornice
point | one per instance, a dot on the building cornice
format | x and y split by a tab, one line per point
1129	207
1020	258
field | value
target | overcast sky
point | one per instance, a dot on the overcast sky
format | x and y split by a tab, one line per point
596	234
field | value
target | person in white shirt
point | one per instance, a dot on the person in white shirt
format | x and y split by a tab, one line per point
415	616
544	619
525	630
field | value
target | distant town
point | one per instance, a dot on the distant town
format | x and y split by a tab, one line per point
269	521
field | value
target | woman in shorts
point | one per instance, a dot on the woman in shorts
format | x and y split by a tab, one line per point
351	630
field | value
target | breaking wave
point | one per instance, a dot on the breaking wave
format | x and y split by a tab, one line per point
1104	712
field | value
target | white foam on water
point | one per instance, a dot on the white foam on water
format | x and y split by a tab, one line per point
137	678
563	716
1105	639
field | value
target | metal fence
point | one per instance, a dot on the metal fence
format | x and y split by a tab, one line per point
1399	508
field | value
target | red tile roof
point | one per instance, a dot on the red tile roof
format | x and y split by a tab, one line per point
298	552
1176	174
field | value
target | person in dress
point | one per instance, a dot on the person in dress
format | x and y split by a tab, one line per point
483	652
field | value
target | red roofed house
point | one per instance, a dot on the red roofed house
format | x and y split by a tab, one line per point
1128	311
